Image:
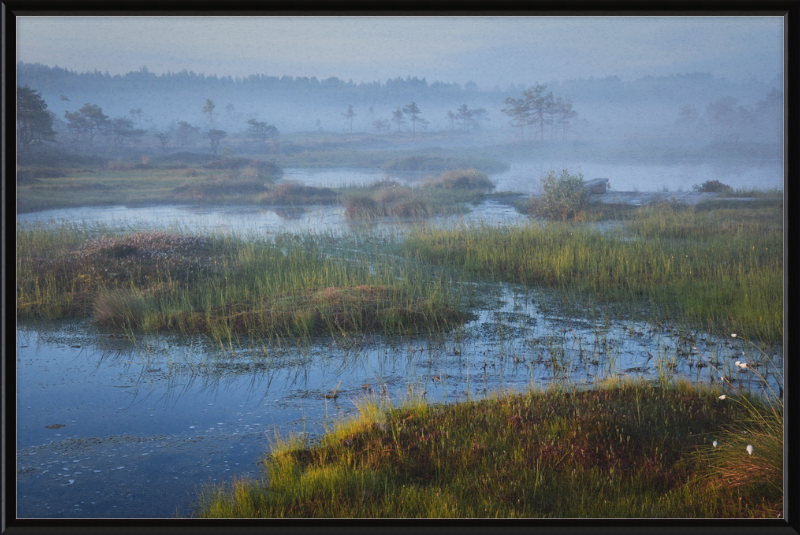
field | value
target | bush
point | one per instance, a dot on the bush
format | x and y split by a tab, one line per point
564	197
712	186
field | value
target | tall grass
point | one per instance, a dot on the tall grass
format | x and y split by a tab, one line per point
626	449
721	270
223	285
444	194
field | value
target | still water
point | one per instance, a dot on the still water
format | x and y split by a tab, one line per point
113	428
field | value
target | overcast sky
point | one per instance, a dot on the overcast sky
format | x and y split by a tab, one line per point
487	50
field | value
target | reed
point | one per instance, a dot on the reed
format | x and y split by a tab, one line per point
719	270
224	285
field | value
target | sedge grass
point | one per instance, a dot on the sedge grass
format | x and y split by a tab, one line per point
718	270
625	449
223	285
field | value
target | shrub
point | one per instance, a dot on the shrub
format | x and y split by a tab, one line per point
712	186
564	197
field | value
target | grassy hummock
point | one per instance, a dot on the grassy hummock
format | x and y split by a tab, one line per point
221	285
628	449
437	195
719	269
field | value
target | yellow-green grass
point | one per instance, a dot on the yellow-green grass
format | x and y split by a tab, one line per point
445	194
719	270
158	185
222	285
627	449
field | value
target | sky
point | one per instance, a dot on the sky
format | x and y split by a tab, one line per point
487	50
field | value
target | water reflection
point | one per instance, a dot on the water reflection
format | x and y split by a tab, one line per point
184	399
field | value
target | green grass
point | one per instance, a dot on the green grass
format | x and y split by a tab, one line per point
715	269
223	285
623	450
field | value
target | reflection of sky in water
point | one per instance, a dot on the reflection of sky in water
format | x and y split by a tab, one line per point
202	410
249	219
195	412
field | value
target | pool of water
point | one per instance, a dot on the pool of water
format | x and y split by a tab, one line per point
107	427
113	428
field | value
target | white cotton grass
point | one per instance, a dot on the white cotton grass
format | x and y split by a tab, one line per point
749	449
733	335
715	443
723	396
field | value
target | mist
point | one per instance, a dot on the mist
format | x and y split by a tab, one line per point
640	90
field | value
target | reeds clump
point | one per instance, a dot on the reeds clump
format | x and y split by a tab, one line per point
749	452
363	207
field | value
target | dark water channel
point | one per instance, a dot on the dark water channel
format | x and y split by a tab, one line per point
113	428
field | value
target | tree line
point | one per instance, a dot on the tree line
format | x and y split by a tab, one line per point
35	122
35	126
